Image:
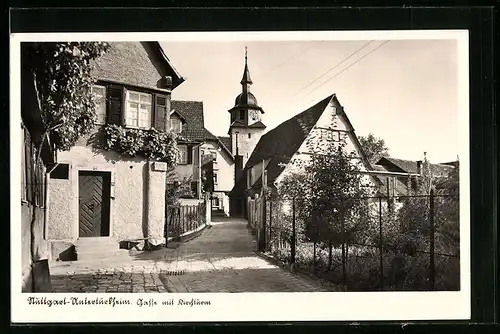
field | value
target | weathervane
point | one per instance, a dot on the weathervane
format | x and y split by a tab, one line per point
246	54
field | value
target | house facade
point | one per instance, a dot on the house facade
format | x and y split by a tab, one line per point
216	152
97	193
36	161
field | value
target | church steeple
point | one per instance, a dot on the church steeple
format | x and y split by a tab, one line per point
246	81
246	118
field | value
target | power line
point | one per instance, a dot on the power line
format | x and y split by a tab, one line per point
348	67
289	59
331	69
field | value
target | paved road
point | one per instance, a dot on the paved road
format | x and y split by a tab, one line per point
222	259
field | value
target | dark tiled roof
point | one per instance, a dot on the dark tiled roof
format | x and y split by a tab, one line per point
283	141
192	111
227	142
141	64
258	124
409	166
210	136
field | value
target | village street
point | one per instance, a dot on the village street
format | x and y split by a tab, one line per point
221	259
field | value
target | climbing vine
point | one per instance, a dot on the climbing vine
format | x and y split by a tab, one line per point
63	79
151	144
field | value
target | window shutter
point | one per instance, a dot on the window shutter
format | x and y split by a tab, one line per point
189	155
115	105
160	112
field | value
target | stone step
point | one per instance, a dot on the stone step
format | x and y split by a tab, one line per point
102	255
96	241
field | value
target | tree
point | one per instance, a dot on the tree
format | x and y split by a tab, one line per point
335	191
374	148
63	78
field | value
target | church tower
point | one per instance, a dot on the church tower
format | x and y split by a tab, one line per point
246	119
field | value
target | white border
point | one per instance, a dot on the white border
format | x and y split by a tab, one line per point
346	306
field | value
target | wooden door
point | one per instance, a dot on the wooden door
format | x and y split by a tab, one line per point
94	197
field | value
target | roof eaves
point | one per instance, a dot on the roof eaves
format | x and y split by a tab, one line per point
179	78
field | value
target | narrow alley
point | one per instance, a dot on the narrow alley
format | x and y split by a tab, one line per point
221	259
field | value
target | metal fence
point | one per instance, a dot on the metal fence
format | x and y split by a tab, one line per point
183	219
409	244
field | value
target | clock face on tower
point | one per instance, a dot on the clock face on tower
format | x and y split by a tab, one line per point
253	115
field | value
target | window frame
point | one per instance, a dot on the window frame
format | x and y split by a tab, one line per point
171	128
105	89
139	102
183	148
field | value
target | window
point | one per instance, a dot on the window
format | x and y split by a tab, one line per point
183	154
175	125
61	172
249	135
215	177
100	103
215	202
214	155
138	110
242	114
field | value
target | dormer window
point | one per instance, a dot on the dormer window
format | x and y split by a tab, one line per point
99	93
138	110
175	125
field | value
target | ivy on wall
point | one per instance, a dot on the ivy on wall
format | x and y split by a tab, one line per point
151	144
63	78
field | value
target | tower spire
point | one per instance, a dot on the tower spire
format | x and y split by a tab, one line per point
246	81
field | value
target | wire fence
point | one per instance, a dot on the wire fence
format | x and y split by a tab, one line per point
409	243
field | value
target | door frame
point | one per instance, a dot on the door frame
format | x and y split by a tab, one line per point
98	169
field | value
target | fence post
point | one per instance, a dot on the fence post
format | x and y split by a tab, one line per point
380	243
432	268
166	225
292	250
270	246
264	223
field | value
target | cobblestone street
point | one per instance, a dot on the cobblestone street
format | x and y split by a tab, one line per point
221	259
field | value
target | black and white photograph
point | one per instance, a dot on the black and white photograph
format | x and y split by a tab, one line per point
208	169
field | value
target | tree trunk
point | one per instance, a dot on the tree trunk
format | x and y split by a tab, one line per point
344	278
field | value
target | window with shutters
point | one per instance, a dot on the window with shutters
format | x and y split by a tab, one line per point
183	155
100	101
138	110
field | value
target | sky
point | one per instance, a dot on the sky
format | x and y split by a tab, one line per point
403	91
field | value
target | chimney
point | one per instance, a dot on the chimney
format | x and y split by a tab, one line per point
419	167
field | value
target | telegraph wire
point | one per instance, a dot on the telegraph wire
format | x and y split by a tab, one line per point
337	65
348	67
286	61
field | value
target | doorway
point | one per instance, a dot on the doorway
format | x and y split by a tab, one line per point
94	191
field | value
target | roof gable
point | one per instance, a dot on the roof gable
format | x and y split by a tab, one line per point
409	166
141	64
211	137
284	140
192	111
